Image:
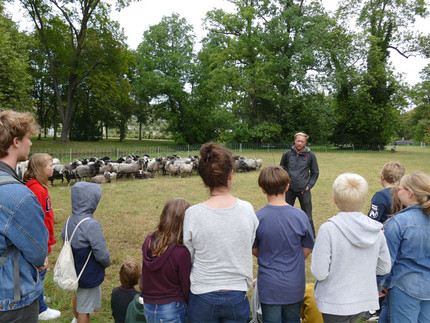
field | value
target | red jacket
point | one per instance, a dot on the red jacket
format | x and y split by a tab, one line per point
44	200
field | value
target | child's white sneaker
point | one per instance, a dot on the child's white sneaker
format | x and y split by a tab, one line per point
49	314
75	320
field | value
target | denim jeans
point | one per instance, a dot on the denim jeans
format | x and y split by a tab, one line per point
329	318
226	307
274	313
29	314
42	306
170	313
406	309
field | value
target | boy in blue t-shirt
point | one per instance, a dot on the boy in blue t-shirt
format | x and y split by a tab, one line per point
382	201
283	240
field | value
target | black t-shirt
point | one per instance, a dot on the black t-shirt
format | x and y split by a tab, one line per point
121	297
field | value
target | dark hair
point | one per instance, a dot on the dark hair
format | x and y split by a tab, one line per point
169	229
129	274
215	165
273	179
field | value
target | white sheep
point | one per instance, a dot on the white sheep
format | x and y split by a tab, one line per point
105	178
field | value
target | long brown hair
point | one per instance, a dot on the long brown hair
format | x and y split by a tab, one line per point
169	229
36	168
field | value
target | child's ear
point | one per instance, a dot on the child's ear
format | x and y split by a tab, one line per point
288	186
264	191
334	200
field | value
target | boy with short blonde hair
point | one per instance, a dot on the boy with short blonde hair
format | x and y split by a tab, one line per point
381	206
350	248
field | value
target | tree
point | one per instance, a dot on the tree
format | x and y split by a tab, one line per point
270	56
71	33
164	70
419	118
15	79
365	97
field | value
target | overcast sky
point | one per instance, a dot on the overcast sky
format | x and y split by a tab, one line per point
137	18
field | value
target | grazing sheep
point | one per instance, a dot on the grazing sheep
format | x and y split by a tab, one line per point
172	168
185	168
259	163
89	170
21	168
57	174
105	178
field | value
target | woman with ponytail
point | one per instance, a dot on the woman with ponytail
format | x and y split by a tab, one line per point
219	234
408	239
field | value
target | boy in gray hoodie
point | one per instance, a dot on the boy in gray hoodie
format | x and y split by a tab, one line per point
88	237
349	249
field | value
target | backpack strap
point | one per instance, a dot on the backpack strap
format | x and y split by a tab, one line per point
7	179
71	237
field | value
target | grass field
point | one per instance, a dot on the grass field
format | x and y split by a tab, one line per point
129	209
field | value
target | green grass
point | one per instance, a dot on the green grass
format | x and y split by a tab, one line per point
129	209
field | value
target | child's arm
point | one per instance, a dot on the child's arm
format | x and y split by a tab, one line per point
321	255
306	252
98	244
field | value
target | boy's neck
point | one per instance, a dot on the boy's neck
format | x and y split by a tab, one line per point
276	200
385	184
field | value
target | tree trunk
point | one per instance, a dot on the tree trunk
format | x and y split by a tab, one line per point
140	130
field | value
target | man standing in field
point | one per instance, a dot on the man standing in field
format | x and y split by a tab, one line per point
23	234
302	166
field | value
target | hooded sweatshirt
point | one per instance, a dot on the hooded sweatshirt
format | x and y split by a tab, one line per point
165	278
350	250
88	236
42	195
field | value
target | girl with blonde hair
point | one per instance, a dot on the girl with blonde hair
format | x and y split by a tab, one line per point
407	235
39	169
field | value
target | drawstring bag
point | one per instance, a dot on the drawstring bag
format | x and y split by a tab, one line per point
64	270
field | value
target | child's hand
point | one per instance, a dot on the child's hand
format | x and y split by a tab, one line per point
45	264
383	293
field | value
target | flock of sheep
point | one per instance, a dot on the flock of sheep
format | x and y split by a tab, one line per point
103	170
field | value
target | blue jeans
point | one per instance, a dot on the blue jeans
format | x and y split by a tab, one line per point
214	307
42	306
170	313
275	313
28	313
406	309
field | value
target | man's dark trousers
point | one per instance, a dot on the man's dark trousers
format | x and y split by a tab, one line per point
305	199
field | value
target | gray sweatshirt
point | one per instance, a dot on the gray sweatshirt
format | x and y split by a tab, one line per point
220	243
350	250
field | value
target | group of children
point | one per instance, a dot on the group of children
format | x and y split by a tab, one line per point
348	253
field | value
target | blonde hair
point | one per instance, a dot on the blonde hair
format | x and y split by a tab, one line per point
418	183
15	125
301	134
36	168
393	171
350	191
